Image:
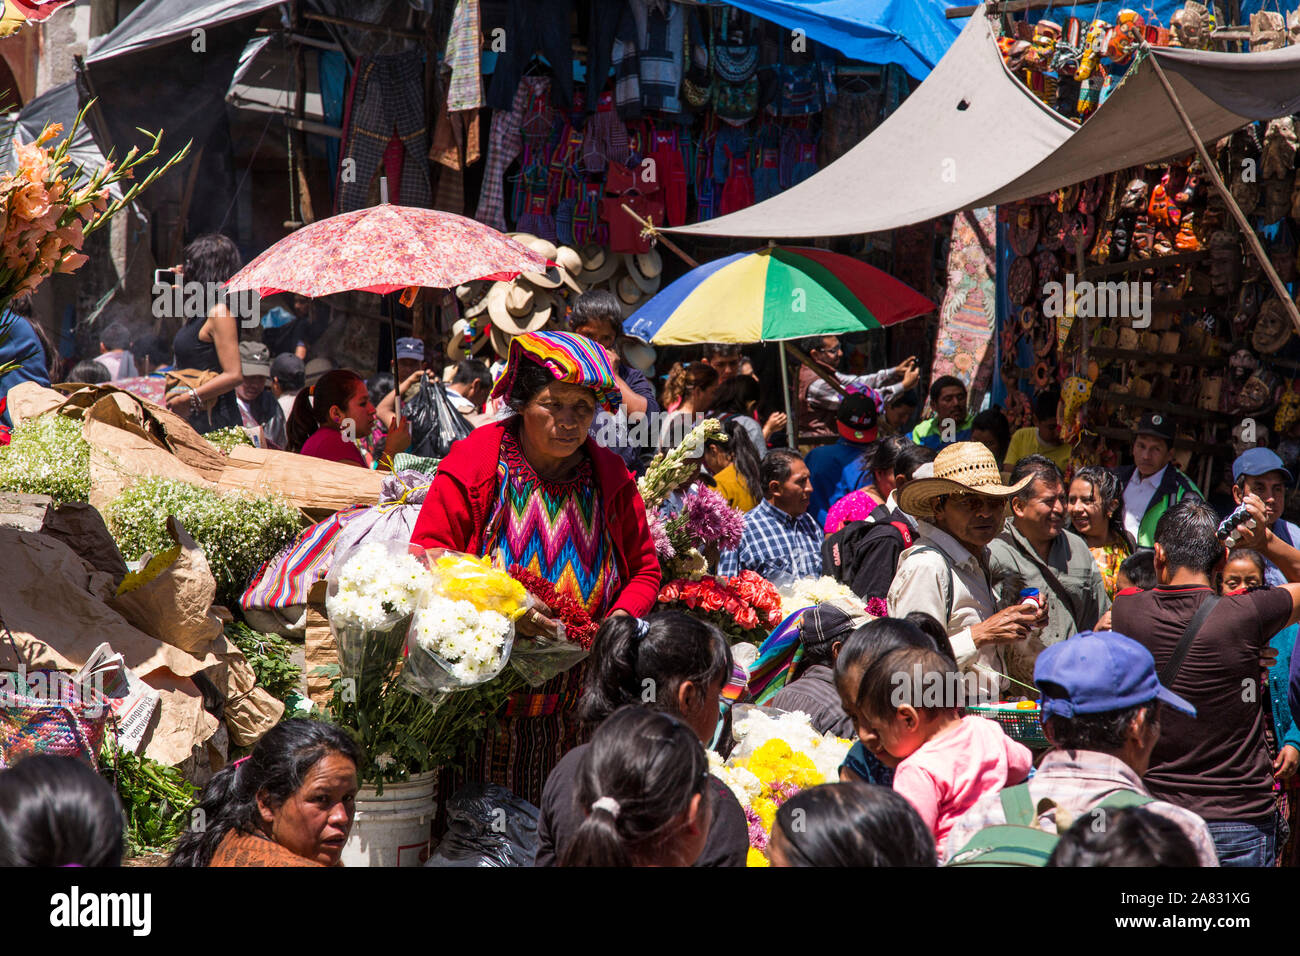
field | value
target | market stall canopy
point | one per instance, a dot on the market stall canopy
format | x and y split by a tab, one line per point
157	22
915	35
264	79
973	135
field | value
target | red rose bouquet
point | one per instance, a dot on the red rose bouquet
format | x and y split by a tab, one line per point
745	607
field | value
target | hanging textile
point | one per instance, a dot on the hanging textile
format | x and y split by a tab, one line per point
464	46
968	317
388	104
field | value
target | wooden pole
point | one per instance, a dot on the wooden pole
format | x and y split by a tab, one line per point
1213	172
648	226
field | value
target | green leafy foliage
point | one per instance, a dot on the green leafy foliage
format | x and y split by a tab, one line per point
227	438
47	456
157	799
269	656
238	533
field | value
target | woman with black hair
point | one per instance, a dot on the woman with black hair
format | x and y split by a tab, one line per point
1096	514
850	825
672	662
209	342
330	418
868	503
734	466
535	490
288	803
1132	836
643	791
56	811
739	399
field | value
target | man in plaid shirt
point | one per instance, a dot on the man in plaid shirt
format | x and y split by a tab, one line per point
1101	702
781	541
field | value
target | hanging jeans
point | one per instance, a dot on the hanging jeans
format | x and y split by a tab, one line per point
389	99
530	26
602	28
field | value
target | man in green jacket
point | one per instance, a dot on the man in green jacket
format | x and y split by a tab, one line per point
1153	484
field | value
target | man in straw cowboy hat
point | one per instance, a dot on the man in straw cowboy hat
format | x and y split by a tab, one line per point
946	574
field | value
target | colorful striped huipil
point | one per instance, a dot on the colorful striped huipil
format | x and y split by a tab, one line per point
554	529
557	530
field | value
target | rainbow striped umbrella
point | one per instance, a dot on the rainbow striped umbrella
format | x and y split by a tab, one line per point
775	294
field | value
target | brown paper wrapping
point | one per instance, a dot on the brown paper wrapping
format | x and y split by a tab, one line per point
176	606
319	649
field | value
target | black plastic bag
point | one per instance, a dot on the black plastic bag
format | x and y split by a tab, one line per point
488	826
434	423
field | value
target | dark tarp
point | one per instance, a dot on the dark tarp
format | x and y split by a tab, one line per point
972	135
57	105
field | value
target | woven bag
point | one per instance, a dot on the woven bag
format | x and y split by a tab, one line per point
45	712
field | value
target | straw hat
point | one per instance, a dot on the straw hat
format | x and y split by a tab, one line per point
639	355
966	467
646	269
554	275
598	263
456	344
515	307
473	297
629	294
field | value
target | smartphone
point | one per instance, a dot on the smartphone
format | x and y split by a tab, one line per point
165	277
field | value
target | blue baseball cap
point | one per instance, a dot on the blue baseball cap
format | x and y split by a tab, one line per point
1100	671
410	348
1258	461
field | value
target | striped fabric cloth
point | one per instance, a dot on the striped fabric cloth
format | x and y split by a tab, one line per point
570	358
285	580
465	90
778	656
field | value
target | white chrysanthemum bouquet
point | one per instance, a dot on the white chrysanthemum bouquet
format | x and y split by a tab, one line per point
463	630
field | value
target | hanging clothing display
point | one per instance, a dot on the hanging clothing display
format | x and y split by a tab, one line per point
538	25
462	56
968	317
387	105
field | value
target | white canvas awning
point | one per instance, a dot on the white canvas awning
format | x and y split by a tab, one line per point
973	135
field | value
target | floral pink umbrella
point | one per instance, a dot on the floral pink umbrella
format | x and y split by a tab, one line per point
383	249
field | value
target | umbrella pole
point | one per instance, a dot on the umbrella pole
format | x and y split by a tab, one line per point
785	388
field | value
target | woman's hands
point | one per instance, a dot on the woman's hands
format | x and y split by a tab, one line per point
181	401
398	438
775	422
536	623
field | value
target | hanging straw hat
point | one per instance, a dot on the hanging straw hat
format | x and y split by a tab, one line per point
639	355
646	269
456	344
554	275
629	294
473	297
598	263
513	307
967	467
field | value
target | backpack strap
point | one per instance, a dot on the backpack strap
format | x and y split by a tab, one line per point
905	531
947	596
1123	799
1169	672
1017	806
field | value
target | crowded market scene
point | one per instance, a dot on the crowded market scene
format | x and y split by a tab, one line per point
640	433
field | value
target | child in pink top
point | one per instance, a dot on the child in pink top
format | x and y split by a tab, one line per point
946	762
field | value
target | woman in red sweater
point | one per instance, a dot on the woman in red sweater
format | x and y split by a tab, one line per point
536	491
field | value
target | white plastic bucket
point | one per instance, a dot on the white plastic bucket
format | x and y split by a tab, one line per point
392	829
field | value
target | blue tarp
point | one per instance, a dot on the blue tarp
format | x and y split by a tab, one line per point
916	33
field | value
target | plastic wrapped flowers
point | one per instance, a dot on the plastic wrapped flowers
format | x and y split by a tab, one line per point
463	630
375	586
778	754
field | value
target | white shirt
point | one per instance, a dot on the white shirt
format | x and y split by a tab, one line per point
892	504
1137	497
460	402
921	582
286	403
